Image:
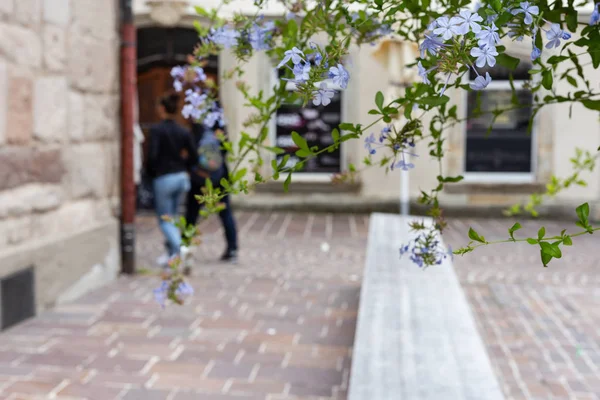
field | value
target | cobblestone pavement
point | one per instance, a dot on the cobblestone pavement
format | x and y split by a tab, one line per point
280	324
541	325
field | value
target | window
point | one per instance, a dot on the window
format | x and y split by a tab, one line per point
313	123
506	153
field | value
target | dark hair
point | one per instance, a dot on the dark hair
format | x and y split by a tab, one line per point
170	102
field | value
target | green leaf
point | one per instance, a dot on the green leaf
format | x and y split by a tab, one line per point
550	249
275	150
547	79
434	100
591	104
513	229
300	141
347	127
571	80
541	233
507	61
496	5
302	153
335	135
567	241
583	212
475	236
571	20
532	241
450	179
287	182
379	100
546	258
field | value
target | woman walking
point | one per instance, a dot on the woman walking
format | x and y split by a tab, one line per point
171	154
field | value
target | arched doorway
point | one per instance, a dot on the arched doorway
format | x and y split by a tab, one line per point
158	51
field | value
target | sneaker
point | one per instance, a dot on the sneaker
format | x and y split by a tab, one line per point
230	256
163	260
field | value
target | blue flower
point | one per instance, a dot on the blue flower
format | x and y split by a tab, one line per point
447	27
260	37
161	293
290	15
318	58
339	75
486	55
224	36
423	73
402	164
595	17
195	97
528	10
184	289
177	85
178	72
535	53
432	44
189	111
469	21
369	142
323	95
488	36
301	72
294	54
554	35
481	82
200	75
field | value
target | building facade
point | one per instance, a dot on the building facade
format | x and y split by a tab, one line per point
59	151
500	169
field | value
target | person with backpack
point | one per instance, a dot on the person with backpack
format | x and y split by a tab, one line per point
211	165
171	154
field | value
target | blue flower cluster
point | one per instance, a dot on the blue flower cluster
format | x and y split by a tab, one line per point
161	294
426	249
399	150
259	36
302	68
486	37
198	104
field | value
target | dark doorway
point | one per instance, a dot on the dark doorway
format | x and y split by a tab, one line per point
158	51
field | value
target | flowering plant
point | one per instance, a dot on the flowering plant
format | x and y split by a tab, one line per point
455	38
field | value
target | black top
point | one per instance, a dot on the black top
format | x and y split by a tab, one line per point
171	149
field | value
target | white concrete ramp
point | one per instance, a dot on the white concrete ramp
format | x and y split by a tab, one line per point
416	338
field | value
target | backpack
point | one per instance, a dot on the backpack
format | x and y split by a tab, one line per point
210	157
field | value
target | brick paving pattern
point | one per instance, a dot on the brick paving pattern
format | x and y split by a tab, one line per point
280	324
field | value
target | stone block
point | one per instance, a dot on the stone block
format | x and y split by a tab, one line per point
76	116
93	63
20	45
55	48
28	12
29	198
50	109
15	231
7	7
20	109
101	117
87	170
95	18
3	102
21	165
56	12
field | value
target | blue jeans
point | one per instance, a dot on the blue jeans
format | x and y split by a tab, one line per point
169	191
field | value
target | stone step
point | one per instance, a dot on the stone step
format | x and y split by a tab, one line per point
416	338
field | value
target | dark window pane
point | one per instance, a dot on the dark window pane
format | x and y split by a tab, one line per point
315	125
507	147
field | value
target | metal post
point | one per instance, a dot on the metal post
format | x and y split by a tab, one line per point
128	87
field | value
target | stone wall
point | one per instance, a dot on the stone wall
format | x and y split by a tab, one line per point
59	138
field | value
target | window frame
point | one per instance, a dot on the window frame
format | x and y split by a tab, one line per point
500	177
